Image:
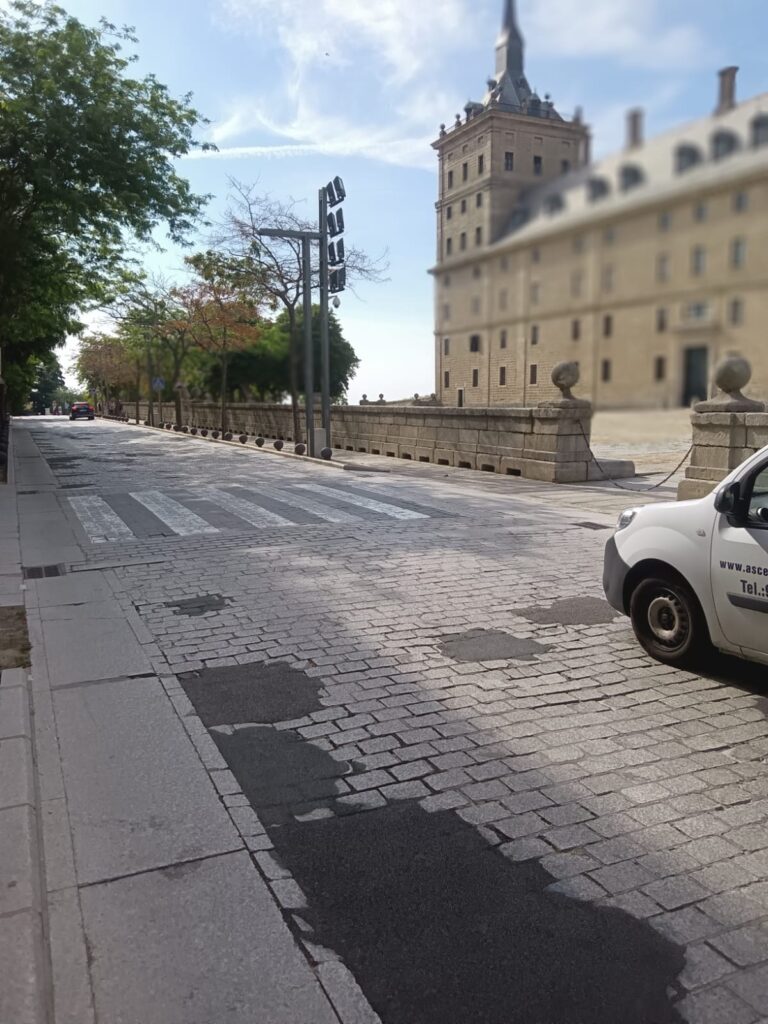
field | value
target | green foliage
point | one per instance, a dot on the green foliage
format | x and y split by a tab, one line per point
264	372
48	380
87	155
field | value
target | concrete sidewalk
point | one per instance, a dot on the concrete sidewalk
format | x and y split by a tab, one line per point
127	893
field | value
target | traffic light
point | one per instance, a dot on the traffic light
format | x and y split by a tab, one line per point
336	253
336	223
336	192
338	280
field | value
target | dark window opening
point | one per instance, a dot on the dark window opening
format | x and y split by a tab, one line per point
534	375
463	240
478	236
503	340
509	161
502	376
575	330
448	246
687	157
565	166
479	199
450	179
474	343
475	378
446	379
661	321
464	172
631	176
448	212
723	144
760	131
660	368
534	334
605	371
538	166
608	326
446	346
480	164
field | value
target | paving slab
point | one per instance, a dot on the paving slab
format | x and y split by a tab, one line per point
79	650
14	712
138	796
214	947
22	996
16	778
19	889
74	588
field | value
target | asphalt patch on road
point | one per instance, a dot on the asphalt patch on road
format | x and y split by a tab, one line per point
194	606
253	693
436	926
490	645
576	611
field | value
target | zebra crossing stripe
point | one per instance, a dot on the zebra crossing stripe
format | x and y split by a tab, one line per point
307	504
99	521
180	519
253	514
382	507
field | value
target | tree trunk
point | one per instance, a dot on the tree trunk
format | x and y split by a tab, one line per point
294	374
150	401
138	393
224	369
176	392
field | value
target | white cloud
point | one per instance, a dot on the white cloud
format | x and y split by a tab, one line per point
390	62
627	31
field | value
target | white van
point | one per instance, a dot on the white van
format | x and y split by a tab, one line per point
694	574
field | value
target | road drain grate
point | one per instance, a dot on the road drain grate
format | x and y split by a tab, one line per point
39	572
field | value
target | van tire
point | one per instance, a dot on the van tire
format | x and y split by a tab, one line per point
669	623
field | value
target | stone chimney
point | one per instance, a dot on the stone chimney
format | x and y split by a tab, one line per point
635	128
727	99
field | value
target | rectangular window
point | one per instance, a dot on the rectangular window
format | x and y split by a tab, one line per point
450	179
463	240
534	334
446	379
579	243
509	161
446	347
575	330
463	205
503	299
479	200
475	378
504	264
474	343
477	273
535	294
447	281
697	311
736	312
662	268
480	164
476	305
660	368
665	221
478	236
577	283
464	172
448	212
605	371
536	255
502	376
565	166
503	340
698	260
609	236
661	321
534	376
538	166
607	278
700	213
740	202
446	312
608	326
738	253
448	246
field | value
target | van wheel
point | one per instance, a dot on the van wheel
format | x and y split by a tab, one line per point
669	623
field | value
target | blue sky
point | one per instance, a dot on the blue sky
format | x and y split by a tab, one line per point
298	91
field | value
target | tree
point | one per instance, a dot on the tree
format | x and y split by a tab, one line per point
105	364
279	263
220	314
87	155
48	381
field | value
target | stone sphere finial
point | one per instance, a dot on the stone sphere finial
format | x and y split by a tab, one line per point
732	375
566	376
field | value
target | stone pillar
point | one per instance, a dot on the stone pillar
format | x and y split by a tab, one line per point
726	430
558	449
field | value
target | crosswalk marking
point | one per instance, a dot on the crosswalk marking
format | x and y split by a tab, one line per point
103	523
253	514
316	508
99	521
393	511
178	517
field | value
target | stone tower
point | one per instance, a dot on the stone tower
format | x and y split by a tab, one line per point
510	141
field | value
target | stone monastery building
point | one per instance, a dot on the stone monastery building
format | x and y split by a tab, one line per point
646	267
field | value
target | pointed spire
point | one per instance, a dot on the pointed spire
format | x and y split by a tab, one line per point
511	46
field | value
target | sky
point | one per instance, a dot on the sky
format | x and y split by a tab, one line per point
298	91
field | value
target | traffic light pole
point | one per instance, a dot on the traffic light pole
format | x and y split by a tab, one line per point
324	324
309	362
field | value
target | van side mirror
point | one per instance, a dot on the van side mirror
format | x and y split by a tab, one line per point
728	499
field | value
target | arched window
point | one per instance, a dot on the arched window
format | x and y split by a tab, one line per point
760	131
598	188
724	143
686	157
631	176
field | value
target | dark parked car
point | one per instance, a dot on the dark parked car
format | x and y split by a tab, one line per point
82	410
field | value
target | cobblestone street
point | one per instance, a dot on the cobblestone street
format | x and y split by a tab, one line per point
467	787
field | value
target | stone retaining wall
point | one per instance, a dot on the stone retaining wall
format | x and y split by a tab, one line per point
543	443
